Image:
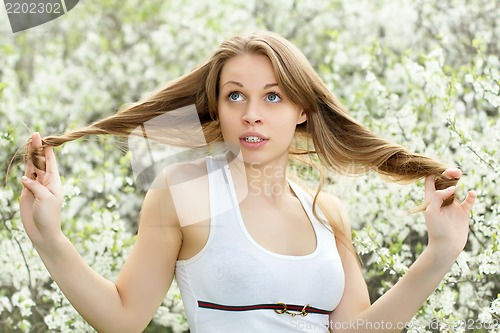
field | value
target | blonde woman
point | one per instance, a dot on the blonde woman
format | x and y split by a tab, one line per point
251	250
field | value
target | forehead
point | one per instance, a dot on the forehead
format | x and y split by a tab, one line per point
251	70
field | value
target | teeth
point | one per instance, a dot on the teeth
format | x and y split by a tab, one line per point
253	139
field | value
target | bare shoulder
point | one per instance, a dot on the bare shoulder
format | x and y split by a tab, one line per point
178	173
186	186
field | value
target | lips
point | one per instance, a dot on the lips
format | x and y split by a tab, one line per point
253	140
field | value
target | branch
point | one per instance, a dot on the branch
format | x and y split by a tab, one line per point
33	292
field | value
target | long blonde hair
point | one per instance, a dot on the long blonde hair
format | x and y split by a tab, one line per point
339	141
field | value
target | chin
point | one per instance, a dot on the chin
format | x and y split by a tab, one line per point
254	157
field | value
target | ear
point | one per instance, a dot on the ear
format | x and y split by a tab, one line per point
302	117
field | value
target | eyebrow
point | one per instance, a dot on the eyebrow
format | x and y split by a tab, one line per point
239	84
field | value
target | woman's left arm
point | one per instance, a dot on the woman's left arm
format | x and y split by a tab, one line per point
447	233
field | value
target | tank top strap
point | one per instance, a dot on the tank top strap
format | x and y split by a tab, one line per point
220	187
322	227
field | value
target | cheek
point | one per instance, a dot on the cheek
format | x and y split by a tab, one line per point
286	123
287	127
291	132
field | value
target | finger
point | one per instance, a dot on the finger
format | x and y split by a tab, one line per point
52	172
440	196
36	142
26	194
452	173
50	161
430	187
37	189
469	201
30	168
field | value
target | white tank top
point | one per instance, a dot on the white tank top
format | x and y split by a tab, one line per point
235	285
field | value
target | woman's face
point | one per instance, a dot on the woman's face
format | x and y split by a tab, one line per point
256	118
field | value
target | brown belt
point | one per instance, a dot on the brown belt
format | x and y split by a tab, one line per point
279	308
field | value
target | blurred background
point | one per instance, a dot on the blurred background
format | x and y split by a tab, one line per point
422	73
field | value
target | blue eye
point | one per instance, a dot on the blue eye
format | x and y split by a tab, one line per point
273	97
235	96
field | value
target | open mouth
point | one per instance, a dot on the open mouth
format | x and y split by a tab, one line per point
253	139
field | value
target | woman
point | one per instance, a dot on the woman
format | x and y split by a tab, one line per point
251	250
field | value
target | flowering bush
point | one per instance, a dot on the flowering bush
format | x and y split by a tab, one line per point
421	73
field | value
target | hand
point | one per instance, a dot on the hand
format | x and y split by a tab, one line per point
42	197
447	226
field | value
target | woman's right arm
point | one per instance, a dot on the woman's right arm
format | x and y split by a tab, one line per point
128	304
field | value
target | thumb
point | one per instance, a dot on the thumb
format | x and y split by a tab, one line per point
440	196
469	201
38	190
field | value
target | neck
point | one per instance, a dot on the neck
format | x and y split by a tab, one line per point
261	180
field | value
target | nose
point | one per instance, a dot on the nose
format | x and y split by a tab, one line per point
251	115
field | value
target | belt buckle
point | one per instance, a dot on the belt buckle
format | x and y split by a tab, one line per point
281	311
303	312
